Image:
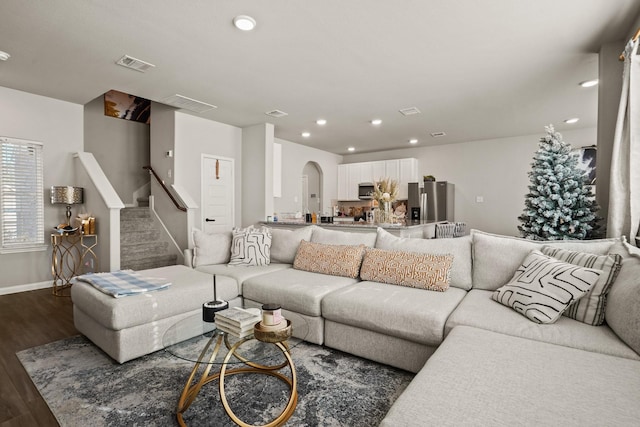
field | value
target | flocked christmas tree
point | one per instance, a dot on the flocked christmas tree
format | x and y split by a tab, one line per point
560	204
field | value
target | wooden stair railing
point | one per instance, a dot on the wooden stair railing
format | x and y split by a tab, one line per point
166	190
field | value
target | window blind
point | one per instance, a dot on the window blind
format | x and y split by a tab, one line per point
21	193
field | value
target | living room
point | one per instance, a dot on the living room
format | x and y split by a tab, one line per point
486	166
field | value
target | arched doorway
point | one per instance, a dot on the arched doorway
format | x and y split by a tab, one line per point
312	188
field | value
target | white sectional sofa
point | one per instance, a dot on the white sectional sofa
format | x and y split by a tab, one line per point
478	362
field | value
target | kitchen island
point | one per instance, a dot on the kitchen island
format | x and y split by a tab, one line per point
417	229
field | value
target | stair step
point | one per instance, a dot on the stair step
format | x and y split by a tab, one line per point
142	202
142	212
136	236
149	262
136	224
141	250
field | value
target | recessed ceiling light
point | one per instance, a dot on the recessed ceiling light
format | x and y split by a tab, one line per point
351	149
244	22
589	83
413	141
306	134
572	121
321	122
376	122
4	56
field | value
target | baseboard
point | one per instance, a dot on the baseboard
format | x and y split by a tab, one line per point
24	288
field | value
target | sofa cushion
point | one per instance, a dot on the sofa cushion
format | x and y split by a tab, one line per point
214	248
481	378
250	246
496	258
622	311
284	243
295	290
460	248
402	312
334	260
543	287
189	290
335	237
423	271
590	308
241	273
479	310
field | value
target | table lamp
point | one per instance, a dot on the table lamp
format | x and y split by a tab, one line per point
67	195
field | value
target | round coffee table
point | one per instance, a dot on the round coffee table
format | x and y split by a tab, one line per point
208	347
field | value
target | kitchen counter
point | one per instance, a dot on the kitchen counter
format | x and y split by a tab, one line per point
418	229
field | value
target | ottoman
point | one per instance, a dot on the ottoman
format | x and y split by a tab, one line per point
132	326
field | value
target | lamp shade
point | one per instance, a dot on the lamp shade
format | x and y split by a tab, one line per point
67	195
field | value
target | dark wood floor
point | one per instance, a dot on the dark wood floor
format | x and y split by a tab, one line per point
28	319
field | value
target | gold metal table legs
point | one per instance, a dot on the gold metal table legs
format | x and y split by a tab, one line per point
191	389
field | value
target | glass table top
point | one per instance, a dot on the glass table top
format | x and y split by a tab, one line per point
187	338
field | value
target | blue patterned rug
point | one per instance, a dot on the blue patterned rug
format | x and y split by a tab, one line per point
83	386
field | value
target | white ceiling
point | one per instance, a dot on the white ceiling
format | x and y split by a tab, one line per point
477	69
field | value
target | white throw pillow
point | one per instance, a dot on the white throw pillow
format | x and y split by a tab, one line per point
212	248
250	246
590	308
543	287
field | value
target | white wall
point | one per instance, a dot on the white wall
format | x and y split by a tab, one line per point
195	136
494	169
59	125
257	173
294	158
121	147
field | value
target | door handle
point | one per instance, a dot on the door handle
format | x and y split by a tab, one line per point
209	220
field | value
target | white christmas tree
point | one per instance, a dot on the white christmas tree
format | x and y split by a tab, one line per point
559	205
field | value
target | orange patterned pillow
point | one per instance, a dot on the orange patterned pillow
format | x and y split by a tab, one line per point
416	270
336	260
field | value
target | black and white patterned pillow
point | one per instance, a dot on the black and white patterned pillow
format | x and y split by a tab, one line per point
590	308
543	287
250	246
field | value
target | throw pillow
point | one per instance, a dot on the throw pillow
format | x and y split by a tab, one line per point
212	248
459	247
336	260
543	287
250	246
415	270
590	308
284	243
623	301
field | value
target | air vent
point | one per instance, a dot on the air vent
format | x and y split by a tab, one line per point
410	111
437	134
276	113
134	64
190	104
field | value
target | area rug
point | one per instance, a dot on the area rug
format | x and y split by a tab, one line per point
84	386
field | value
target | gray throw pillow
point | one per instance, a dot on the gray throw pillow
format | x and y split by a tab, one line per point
284	243
214	248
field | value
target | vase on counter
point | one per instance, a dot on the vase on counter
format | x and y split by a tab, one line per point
383	214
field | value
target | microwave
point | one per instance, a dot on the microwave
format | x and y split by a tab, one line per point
365	190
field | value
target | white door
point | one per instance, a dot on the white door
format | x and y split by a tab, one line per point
217	194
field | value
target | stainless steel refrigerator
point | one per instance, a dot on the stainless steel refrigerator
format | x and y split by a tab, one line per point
437	201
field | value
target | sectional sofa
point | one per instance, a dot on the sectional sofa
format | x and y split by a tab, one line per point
478	361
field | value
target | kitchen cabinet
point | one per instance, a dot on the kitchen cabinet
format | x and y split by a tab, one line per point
350	175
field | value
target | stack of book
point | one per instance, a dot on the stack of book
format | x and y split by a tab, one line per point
238	321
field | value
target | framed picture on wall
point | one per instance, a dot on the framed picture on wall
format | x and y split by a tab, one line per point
587	162
128	107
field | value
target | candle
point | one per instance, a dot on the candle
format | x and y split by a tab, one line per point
271	314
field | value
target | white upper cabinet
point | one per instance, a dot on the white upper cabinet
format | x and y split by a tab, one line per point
350	175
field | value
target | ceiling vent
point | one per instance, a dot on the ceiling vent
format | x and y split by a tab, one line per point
437	134
190	104
134	64
276	113
410	111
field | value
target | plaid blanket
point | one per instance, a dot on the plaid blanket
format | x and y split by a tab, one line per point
123	283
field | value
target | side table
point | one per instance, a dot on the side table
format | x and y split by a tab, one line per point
71	255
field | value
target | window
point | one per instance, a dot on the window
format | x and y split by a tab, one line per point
21	194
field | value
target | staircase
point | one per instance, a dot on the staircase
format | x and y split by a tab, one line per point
141	246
